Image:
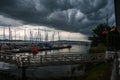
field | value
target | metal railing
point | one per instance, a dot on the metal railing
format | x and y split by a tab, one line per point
45	60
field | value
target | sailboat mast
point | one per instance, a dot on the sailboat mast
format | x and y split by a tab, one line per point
38	38
25	35
4	36
15	34
31	36
53	36
46	35
9	33
58	35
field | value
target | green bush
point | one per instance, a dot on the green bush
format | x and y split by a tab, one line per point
98	49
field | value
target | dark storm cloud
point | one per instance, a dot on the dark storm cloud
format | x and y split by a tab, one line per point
69	15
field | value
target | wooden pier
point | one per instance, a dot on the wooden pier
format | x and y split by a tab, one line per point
47	60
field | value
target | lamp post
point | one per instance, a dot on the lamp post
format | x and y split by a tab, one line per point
23	69
117	21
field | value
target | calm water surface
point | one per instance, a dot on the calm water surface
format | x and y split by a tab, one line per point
80	49
49	71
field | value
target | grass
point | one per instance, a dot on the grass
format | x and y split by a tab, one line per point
97	71
7	76
98	49
94	71
100	72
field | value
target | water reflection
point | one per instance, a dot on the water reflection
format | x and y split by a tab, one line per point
51	71
81	49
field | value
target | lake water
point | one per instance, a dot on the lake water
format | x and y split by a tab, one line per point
49	71
80	49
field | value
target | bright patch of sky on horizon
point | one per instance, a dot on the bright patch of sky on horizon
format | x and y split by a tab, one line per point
21	31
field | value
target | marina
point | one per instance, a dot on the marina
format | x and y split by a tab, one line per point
56	65
59	40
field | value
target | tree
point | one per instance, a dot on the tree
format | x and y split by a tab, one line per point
109	36
98	37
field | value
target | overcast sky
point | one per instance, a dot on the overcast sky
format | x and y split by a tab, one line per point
80	16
